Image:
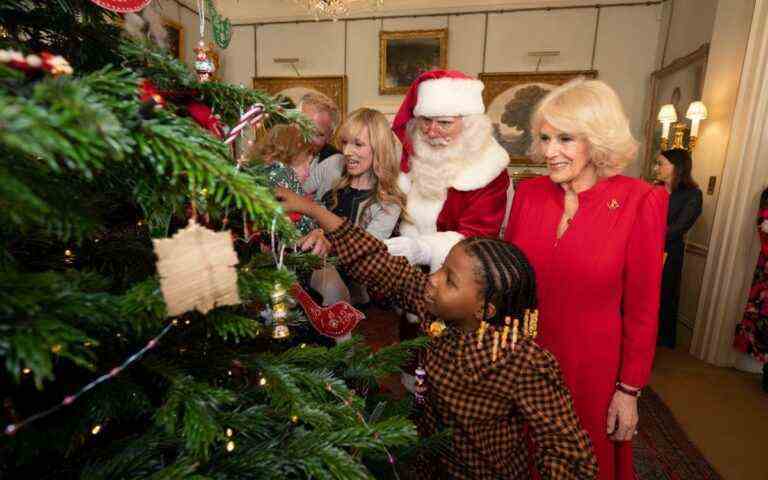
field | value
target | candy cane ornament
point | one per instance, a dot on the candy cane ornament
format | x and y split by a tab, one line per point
251	117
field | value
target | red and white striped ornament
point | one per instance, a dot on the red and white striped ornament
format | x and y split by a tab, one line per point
251	117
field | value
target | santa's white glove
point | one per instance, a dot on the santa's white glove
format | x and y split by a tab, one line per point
416	251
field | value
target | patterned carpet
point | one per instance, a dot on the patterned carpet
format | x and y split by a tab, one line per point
662	450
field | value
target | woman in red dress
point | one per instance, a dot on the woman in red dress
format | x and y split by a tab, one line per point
596	242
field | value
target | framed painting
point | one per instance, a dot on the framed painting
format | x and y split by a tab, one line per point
405	55
333	87
510	99
175	38
679	83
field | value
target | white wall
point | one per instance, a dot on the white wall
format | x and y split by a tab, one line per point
236	67
626	63
729	37
691	26
625	52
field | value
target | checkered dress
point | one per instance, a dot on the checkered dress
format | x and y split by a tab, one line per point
487	404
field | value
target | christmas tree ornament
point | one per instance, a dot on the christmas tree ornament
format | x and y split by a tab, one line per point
122	6
203	115
204	66
253	116
279	312
222	27
149	94
420	386
31	64
197	270
333	321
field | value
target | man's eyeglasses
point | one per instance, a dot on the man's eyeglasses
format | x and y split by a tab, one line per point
442	125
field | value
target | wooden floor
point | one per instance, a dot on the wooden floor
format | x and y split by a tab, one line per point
723	411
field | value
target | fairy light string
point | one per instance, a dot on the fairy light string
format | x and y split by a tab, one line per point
70	399
361	419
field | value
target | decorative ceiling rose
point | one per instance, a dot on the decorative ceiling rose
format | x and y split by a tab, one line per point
332	8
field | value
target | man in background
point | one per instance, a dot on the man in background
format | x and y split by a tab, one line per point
325	115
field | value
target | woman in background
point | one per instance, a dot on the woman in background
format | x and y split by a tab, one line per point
595	240
673	170
360	185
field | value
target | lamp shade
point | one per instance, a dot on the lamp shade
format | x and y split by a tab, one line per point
667	114
696	111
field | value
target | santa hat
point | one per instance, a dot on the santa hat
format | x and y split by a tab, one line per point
437	93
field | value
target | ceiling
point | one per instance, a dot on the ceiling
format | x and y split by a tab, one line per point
260	11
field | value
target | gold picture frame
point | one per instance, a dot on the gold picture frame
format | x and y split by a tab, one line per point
175	38
679	83
510	99
332	86
404	55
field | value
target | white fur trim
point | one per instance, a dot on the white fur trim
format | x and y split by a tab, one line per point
449	97
404	182
488	164
423	213
440	245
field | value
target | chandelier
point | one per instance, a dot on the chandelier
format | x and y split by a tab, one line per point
332	8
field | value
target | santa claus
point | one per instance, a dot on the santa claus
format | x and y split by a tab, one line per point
454	172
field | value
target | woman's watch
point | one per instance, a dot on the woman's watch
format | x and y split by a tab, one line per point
629	391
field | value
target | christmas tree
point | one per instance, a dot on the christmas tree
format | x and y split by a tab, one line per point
102	151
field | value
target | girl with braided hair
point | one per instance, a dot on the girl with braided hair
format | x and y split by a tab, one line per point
484	377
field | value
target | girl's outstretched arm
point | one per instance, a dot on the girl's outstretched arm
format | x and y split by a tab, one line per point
291	202
365	258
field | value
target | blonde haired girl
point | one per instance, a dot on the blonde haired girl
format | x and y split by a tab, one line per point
360	185
369	164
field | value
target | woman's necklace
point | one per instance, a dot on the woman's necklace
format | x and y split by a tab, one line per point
571	205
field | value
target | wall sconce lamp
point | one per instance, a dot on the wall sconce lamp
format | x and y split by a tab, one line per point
696	112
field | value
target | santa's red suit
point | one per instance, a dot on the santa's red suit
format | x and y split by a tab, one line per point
475	198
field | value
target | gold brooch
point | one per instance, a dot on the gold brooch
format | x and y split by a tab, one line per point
613	204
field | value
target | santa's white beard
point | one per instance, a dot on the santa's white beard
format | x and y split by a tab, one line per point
433	169
435	164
